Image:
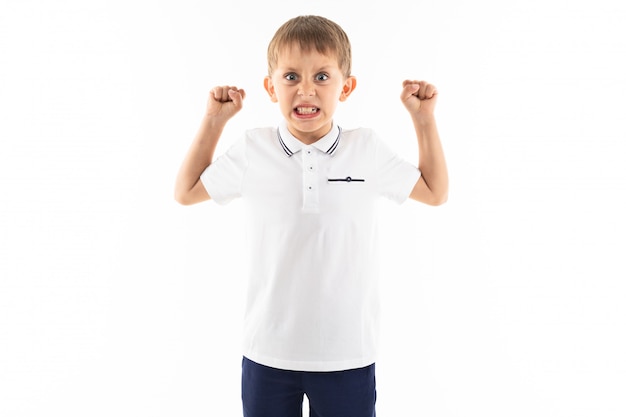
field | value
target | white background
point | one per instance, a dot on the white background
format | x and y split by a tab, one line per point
507	301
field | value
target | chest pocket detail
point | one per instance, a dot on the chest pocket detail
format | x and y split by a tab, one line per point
346	179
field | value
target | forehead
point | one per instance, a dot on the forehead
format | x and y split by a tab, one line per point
296	55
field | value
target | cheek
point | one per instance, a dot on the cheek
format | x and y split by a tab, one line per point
282	92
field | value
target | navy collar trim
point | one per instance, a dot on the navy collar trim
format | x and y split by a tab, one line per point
295	145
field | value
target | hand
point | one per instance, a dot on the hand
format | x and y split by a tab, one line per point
224	102
419	97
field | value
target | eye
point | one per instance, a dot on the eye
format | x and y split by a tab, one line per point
291	76
321	77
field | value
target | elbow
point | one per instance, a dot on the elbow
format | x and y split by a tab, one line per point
182	198
439	200
189	197
439	194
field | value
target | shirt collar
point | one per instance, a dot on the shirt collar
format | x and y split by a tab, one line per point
327	144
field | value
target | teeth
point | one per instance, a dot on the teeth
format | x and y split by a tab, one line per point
306	110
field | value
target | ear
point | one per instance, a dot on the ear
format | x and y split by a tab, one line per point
348	88
269	87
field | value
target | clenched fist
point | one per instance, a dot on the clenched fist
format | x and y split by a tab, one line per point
419	97
225	101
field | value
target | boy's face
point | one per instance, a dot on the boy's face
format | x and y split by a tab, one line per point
308	86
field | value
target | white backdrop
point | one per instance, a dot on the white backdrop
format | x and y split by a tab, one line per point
507	301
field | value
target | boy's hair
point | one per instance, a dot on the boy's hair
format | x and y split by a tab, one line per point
326	36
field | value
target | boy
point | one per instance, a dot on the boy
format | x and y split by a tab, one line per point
310	190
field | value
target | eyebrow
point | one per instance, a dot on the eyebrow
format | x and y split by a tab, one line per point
322	69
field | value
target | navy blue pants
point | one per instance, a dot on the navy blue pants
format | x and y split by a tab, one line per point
271	392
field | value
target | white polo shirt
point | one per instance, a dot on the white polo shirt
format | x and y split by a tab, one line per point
312	300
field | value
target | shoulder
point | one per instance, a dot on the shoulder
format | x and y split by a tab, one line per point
260	133
255	136
261	141
360	138
358	132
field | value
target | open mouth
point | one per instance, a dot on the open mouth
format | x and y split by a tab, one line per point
306	110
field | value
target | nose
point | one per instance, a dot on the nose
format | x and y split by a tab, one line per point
306	89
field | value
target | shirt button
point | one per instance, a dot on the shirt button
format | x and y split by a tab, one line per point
310	168
308	152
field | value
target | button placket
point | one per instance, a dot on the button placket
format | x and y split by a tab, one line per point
310	181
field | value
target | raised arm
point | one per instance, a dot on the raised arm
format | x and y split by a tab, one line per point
420	98
223	103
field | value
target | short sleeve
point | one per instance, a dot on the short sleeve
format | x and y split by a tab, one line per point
223	179
396	176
